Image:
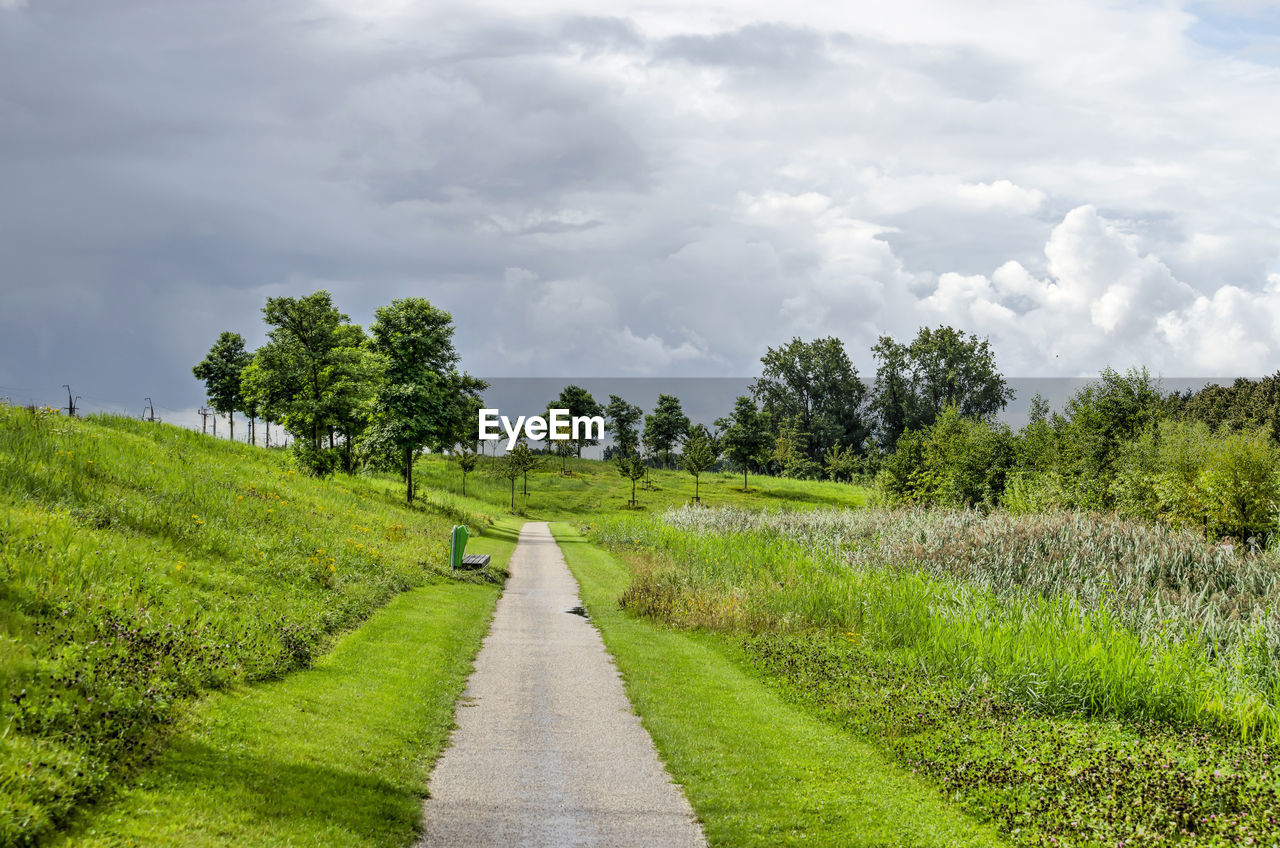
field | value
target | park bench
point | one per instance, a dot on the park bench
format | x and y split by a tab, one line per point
459	559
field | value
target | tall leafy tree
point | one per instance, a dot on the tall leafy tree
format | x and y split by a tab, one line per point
421	396
941	368
1097	422
893	399
221	370
815	384
579	402
665	427
313	357
745	436
623	420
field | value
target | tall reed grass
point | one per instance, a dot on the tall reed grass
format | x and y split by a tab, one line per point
1064	612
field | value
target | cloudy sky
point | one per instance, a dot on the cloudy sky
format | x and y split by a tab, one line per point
658	192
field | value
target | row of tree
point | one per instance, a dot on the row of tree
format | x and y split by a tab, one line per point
808	415
349	397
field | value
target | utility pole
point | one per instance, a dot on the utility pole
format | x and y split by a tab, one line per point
71	404
204	420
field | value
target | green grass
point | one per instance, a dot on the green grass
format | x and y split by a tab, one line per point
758	771
335	755
1078	679
595	487
1063	614
1047	780
144	565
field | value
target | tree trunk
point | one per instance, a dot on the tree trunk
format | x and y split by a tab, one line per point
408	474
513	494
525	483
464	484
744	478
633	491
231	416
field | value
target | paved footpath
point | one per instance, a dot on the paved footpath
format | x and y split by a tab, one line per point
547	751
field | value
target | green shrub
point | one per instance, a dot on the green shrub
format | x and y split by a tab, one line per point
957	461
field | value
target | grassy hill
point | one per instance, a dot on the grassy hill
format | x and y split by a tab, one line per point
144	564
593	487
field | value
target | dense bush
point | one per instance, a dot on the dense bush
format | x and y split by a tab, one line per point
1181	472
1113	447
956	461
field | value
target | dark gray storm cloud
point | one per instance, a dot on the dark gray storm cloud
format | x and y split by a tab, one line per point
649	193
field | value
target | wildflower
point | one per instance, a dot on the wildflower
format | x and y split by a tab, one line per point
178	567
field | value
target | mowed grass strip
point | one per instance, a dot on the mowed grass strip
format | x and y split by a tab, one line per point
594	487
335	755
758	771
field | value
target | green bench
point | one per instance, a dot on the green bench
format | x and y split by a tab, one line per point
459	559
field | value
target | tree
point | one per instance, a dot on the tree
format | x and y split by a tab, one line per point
580	403
892	399
840	463
526	460
1097	421
221	370
421	398
942	367
700	453
815	384
623	419
790	454
745	436
509	468
633	468
564	450
467	460
665	427
310	374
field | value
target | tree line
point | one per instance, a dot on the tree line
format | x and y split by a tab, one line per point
350	398
924	427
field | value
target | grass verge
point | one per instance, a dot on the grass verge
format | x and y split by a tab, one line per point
757	770
335	755
143	565
592	486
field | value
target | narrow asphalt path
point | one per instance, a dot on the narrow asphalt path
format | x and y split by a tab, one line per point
547	751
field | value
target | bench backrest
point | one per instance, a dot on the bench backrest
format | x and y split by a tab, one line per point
457	545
